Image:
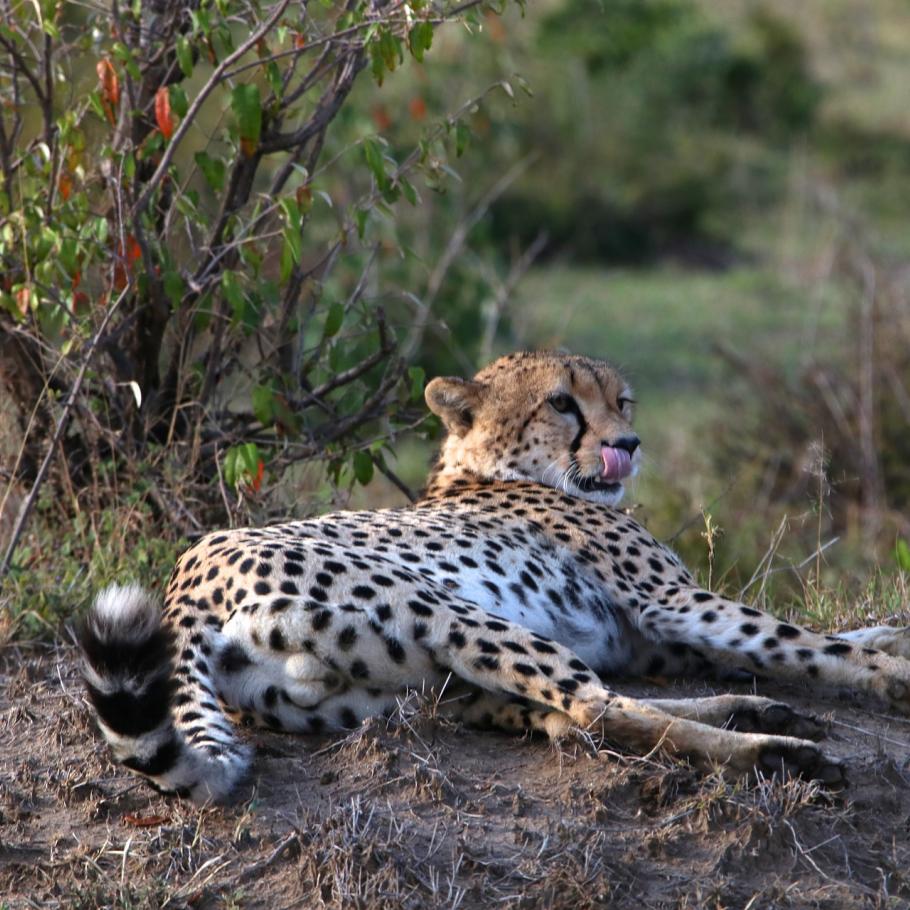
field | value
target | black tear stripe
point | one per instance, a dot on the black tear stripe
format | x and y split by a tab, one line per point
575	411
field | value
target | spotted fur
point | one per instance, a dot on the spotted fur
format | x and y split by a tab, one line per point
514	585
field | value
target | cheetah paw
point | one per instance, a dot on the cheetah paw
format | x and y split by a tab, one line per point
779	719
804	760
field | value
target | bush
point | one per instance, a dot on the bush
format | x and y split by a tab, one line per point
191	210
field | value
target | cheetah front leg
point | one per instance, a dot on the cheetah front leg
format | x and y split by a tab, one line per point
732	635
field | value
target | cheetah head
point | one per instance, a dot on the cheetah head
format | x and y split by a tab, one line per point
556	419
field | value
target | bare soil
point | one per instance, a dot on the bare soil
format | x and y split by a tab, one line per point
420	813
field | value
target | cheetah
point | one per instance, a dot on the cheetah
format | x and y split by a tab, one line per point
514	586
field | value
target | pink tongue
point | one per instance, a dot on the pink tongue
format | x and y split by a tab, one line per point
617	464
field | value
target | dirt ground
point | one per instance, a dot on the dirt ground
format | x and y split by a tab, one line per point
418	813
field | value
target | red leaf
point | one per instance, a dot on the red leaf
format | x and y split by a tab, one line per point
163	116
418	108
81	302
110	87
381	117
256	482
65	185
23	296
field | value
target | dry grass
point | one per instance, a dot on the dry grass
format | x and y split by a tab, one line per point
417	812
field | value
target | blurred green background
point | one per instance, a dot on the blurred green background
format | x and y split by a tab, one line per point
714	197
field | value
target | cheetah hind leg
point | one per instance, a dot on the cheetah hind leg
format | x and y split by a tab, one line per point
668	724
745	714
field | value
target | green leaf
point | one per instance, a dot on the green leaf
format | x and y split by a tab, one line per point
361	215
179	104
174	286
273	74
263	397
417	375
241	463
233	293
462	138
419	40
902	552
184	56
363	467
246	104
334	320
408	189
375	162
212	169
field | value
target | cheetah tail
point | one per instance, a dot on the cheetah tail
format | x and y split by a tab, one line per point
128	673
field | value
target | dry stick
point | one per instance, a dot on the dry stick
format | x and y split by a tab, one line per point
62	422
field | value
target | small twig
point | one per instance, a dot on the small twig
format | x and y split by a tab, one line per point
395	479
62	423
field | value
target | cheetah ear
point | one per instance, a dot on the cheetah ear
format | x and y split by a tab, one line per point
455	401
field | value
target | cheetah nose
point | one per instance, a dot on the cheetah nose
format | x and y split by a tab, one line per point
617	463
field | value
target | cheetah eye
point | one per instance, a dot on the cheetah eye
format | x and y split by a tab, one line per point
624	401
562	403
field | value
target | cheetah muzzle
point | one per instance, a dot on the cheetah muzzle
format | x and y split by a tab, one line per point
514	583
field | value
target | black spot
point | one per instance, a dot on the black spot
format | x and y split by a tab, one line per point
383	612
263	570
321	620
246	565
347	718
293	568
785	630
346	638
457	639
276	640
270	696
542	647
708	616
838	648
382	580
748	611
233	659
395	650
749	628
262	587
359	670
486	663
364	592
